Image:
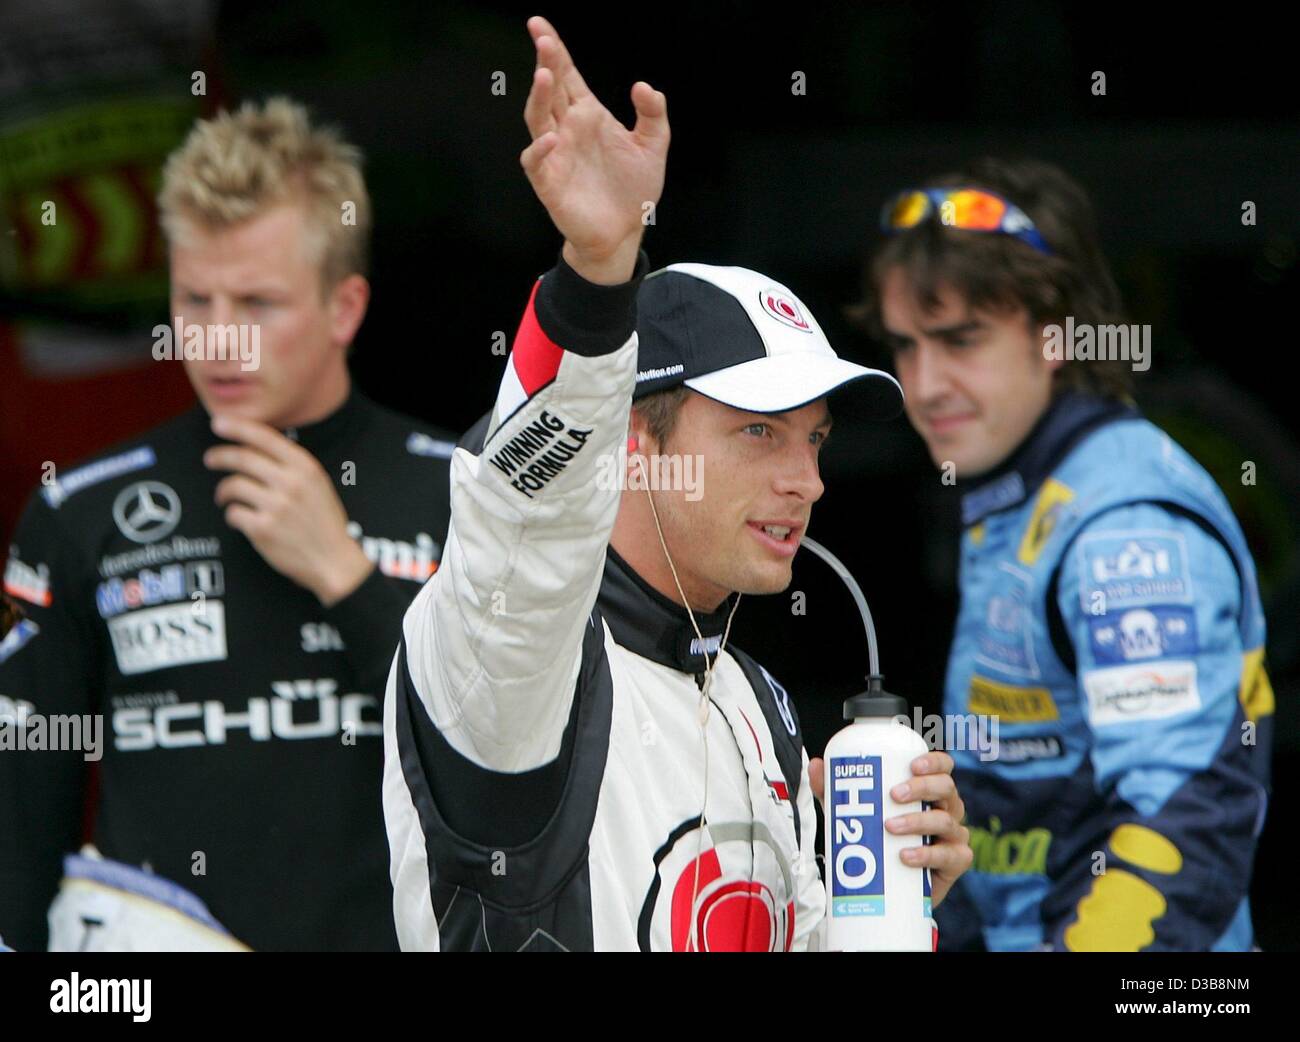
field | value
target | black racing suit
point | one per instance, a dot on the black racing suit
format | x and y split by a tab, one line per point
241	720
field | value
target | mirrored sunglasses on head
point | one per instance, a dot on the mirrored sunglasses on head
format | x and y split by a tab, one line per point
971	209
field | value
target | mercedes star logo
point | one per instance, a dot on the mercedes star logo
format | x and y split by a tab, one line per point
147	511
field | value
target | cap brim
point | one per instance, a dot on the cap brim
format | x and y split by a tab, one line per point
785	382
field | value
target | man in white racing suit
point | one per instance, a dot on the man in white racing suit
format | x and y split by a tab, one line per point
573	757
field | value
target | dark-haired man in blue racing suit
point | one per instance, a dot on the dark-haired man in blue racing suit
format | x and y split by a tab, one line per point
1110	618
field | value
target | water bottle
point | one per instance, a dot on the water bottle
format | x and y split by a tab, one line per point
875	902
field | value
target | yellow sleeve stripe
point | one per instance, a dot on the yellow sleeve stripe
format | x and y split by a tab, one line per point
1256	691
1118	912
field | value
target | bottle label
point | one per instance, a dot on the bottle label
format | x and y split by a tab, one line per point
857	854
926	841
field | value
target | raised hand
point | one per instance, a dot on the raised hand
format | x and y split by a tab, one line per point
594	176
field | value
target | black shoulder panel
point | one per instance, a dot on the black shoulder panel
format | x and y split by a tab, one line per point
782	721
520	881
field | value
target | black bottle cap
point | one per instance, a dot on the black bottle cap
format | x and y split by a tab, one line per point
875	701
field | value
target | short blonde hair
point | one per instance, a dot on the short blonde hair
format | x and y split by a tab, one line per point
233	167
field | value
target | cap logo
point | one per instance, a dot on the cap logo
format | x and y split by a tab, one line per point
783	307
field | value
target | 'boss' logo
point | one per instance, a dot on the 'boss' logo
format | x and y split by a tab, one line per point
172	635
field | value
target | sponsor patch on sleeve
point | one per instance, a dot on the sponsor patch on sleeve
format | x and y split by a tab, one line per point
1124	694
539	451
1139	634
1132	569
30	582
23	631
93	473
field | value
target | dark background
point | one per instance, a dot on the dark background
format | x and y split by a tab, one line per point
1201	113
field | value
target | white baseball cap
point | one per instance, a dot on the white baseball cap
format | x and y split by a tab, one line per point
743	339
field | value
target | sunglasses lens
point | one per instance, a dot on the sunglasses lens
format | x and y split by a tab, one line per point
908	210
975	210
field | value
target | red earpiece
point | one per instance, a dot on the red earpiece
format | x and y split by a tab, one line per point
631	443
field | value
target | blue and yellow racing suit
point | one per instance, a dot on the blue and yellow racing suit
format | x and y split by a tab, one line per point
1111	623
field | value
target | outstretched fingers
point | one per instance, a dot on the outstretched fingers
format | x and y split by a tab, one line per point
555	56
538	109
560	100
651	113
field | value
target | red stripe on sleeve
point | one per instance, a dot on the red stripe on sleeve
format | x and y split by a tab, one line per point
536	357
